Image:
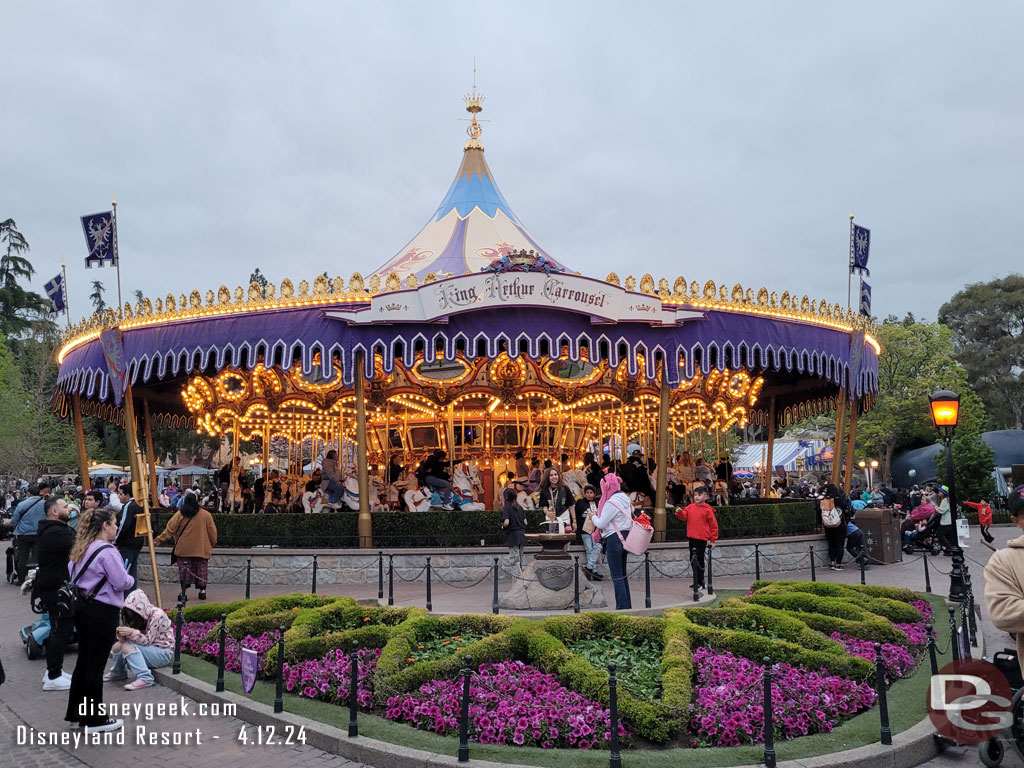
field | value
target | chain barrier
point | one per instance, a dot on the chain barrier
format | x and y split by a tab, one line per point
436	573
417	576
939	570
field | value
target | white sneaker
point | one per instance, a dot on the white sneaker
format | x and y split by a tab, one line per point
112	724
447	507
58	684
46	675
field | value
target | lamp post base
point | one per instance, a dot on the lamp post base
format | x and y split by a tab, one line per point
957	575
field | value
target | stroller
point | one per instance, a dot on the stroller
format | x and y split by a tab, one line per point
992	752
34	635
926	540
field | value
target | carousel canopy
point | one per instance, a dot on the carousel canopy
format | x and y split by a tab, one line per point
471	324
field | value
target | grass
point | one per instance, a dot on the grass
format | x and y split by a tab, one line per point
906	708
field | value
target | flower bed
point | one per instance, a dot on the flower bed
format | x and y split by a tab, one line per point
727	709
691	677
510	703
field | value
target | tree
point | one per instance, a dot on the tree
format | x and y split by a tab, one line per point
261	280
987	320
19	307
917	359
96	297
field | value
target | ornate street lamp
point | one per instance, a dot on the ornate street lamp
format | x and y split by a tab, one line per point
945	408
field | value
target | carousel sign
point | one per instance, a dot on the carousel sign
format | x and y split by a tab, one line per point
436	301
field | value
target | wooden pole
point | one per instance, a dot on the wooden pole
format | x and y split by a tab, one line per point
837	447
848	474
139	483
661	478
83	460
769	470
362	475
147	421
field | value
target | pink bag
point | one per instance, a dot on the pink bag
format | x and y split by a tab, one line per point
636	540
596	535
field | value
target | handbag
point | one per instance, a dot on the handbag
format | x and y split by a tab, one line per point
70	598
174	557
637	539
830	516
588	525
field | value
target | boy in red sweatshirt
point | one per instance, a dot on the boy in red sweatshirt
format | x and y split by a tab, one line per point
701	530
984	517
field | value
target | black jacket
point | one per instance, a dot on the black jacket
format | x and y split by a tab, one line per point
127	539
582	506
53	548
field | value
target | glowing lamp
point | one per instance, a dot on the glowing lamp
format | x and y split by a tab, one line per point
945	407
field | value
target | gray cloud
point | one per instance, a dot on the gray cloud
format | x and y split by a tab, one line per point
716	141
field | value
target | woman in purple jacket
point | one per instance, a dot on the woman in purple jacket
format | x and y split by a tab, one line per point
98	620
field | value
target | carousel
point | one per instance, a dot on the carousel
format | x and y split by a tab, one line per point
474	340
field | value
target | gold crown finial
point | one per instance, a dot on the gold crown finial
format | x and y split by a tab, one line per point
474	105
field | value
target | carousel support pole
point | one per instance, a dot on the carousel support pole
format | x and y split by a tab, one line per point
837	448
139	482
83	460
266	451
365	521
623	453
147	421
848	475
661	479
771	445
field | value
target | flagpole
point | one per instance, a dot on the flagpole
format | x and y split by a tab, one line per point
117	260
849	272
64	289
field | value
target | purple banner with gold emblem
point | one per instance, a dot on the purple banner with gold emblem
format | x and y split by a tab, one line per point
250	665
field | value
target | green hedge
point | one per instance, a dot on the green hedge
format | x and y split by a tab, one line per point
442	528
880	603
829	614
677	668
270	613
762	620
752	520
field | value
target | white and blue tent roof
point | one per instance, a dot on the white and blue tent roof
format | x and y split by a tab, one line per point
472	227
784	453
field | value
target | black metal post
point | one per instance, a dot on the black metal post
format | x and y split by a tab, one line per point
956	574
965	629
927	575
931	649
279	697
220	652
391	579
757	562
863	562
353	700
615	759
970	616
312	591
710	573
883	703
769	719
647	580
467	671
178	619
430	602
814	576
494	597
576	584
952	634
380	575
248	577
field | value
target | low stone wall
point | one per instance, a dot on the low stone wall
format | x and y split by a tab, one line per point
294	567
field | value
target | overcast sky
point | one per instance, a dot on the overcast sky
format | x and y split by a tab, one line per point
720	141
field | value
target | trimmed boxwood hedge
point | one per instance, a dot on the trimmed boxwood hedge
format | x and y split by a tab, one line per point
797	615
455	528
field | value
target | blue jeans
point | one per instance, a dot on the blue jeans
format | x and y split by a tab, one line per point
593	551
141	661
131	558
617	568
443	487
334	490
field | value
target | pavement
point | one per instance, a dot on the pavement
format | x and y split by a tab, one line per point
24	706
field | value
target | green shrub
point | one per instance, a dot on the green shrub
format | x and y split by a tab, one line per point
578	626
677	668
762	620
269	613
208	612
754	520
883	601
299	647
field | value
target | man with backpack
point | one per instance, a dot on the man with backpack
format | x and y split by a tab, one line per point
54	549
26	519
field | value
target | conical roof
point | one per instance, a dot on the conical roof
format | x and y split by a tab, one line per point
472	227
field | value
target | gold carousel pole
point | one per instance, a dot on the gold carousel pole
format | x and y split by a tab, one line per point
83	460
139	484
661	479
768	469
837	447
362	475
146	420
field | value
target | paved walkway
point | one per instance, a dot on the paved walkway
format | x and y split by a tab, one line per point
23	703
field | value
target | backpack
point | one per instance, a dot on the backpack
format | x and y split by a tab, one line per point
71	598
831	516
